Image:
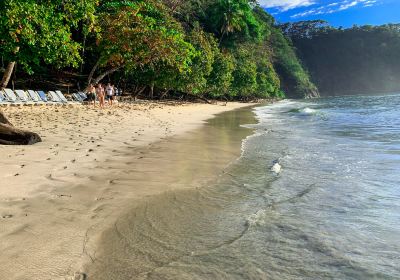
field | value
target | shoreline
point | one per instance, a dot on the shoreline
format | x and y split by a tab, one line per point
56	196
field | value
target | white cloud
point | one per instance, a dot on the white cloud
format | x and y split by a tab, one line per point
336	7
347	5
285	5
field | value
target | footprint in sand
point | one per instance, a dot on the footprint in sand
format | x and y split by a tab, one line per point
64	195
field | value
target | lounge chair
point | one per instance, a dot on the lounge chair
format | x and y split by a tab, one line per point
54	97
3	100
34	96
62	97
42	96
77	97
23	96
83	95
10	95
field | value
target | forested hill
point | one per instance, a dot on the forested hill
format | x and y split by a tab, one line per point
228	49
358	60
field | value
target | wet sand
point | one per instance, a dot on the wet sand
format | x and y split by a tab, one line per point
58	197
144	238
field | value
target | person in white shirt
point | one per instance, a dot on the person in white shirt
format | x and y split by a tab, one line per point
110	93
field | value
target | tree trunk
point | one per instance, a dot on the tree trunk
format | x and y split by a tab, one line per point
164	94
108	72
92	72
9	135
151	90
200	98
138	92
7	75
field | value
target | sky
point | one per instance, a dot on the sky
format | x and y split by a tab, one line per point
344	13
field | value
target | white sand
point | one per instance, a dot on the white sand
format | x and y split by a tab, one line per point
55	196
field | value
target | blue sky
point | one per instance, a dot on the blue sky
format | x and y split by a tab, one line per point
336	12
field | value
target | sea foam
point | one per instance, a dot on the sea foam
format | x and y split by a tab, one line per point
257	219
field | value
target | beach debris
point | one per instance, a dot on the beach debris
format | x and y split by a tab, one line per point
276	167
257	219
8	216
80	276
64	195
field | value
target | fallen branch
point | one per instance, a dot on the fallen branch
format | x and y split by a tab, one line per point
9	135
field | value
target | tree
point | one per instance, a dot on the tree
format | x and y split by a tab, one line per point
221	76
139	35
230	20
195	80
39	32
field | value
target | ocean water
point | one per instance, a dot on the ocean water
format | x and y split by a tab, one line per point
332	212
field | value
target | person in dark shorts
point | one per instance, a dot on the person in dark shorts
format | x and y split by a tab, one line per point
91	94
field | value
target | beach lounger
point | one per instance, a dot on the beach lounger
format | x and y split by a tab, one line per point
77	97
3	99
80	97
42	96
62	97
54	97
83	95
34	96
23	96
10	95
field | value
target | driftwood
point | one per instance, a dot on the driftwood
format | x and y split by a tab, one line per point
9	135
200	98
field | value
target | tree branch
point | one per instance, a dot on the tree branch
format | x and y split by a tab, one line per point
101	76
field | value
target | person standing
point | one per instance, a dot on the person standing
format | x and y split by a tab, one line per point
110	93
100	94
91	94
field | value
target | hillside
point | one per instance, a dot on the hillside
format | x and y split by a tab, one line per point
357	60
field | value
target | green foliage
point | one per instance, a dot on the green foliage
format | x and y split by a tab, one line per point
220	78
195	81
139	34
245	74
35	32
231	20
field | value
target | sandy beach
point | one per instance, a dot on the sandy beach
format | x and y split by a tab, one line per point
56	197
